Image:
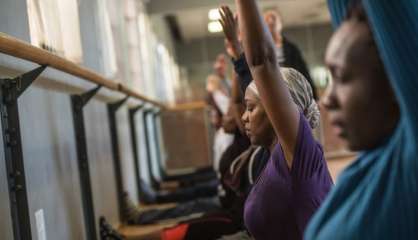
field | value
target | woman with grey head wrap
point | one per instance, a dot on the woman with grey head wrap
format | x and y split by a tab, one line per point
280	108
301	93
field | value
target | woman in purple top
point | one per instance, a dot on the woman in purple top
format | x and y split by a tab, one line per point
285	197
296	179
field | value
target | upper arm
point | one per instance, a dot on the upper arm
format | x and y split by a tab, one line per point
261	56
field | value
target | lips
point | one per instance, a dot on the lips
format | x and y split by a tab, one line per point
338	128
247	132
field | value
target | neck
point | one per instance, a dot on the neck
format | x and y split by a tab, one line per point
278	39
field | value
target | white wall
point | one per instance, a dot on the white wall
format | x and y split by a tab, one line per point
49	147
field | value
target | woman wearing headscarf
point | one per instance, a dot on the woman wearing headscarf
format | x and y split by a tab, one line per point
286	195
296	179
373	104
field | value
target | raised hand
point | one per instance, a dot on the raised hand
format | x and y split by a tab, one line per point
260	54
230	27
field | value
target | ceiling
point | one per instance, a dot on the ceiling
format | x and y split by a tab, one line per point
192	15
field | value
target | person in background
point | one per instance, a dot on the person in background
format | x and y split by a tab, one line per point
220	68
219	96
287	53
218	101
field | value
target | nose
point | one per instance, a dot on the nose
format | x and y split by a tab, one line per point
329	100
244	117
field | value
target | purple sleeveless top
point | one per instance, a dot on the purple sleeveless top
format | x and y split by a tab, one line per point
282	201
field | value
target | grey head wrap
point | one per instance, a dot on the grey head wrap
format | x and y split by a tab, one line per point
301	93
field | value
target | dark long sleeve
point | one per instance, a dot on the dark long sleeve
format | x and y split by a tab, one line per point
243	72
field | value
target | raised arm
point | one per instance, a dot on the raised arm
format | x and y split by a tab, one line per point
237	102
233	47
260	53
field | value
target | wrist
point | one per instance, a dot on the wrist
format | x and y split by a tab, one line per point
239	59
237	54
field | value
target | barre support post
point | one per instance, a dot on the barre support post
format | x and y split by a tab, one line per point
78	103
10	91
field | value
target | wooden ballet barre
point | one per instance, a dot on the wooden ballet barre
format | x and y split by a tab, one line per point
20	49
126	90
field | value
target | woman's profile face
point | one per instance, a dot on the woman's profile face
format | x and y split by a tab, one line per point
257	125
361	104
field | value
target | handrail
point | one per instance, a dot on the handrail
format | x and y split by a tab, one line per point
126	90
20	49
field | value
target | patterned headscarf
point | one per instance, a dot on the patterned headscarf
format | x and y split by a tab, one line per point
301	93
376	196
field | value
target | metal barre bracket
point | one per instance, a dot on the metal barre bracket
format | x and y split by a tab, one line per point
112	108
134	110
78	102
132	113
10	91
154	182
84	98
